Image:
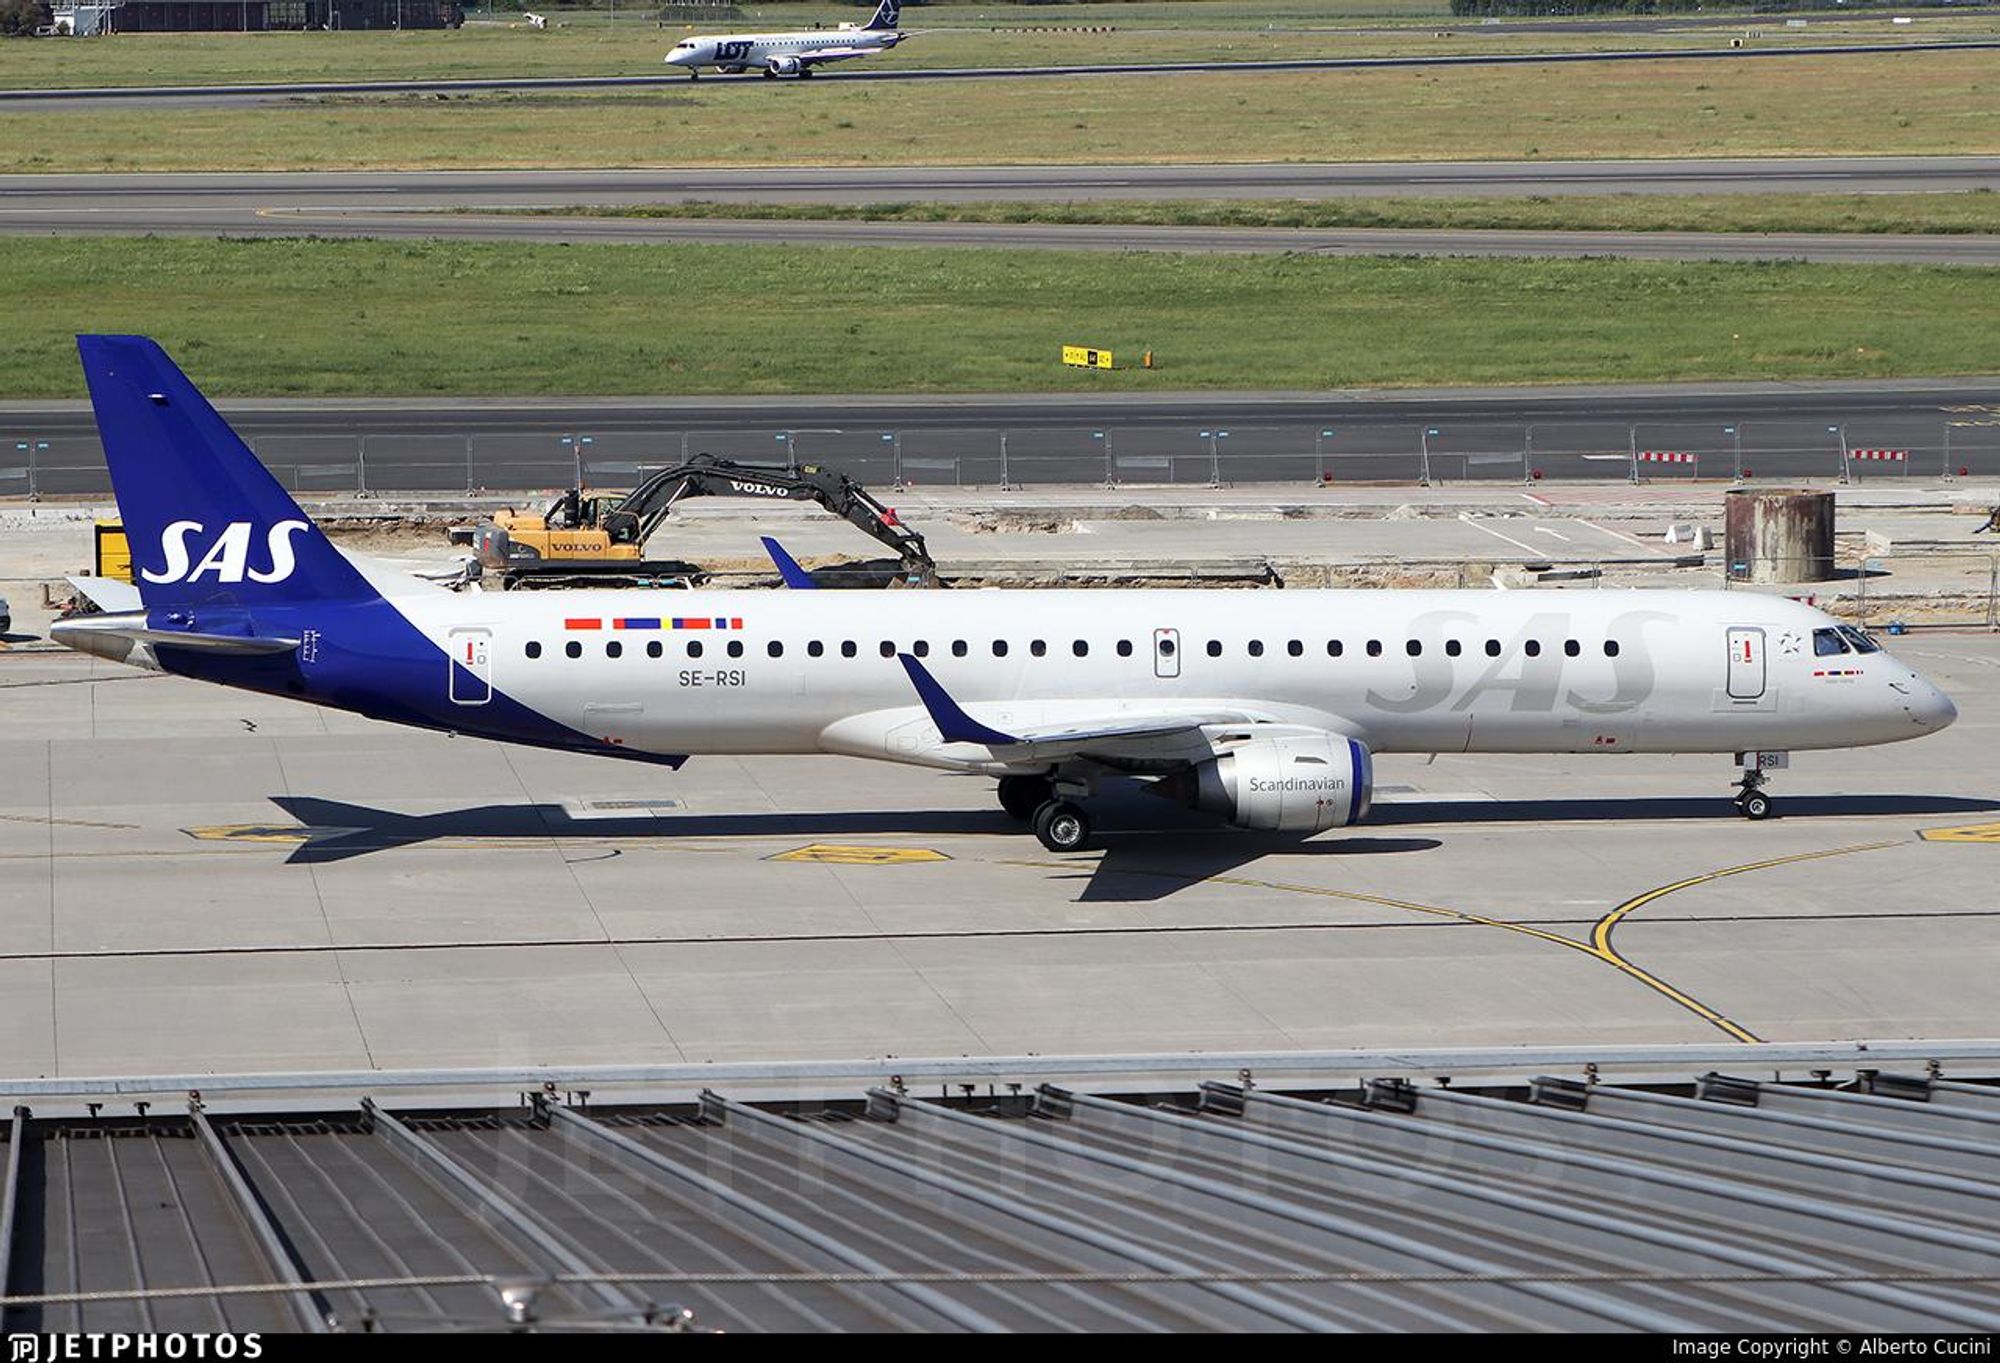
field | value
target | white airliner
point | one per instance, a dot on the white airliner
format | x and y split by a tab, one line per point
1263	708
789	54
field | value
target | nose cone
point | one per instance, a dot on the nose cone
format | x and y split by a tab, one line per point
1934	709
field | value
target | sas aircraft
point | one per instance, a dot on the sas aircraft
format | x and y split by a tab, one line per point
1265	709
789	54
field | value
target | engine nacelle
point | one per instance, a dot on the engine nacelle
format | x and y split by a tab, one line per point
784	66
1298	783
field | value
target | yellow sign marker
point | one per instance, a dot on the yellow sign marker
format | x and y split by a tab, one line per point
1972	832
842	855
1083	357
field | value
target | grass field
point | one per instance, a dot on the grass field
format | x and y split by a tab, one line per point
381	319
1973	211
988	35
1893	104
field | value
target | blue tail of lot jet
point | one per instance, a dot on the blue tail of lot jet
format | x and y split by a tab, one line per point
886	15
207	522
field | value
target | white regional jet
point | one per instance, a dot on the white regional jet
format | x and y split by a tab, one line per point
1262	708
789	54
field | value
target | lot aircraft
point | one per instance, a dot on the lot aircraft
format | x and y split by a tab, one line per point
789	54
1262	708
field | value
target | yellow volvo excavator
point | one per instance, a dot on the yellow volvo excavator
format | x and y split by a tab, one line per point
602	539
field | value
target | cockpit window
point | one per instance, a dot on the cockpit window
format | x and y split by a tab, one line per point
1827	642
1859	640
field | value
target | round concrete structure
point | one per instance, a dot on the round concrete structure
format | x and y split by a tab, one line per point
1778	534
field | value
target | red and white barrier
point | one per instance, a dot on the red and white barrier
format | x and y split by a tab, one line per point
1668	457
1892	456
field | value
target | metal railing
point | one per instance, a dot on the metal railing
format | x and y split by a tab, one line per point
37	465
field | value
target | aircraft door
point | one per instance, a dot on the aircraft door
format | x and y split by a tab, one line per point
1166	653
471	666
1746	663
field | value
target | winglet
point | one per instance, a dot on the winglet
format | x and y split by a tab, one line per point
954	725
795	577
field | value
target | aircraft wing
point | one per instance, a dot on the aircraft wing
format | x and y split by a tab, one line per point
1116	740
836	54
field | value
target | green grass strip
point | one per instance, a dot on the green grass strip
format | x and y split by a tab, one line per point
319	317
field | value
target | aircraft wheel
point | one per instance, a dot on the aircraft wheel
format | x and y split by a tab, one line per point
1062	827
1755	805
805	73
769	74
1021	796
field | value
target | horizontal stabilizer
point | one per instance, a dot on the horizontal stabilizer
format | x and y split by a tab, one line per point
113	636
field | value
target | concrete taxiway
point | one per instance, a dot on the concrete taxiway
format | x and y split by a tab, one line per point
197	880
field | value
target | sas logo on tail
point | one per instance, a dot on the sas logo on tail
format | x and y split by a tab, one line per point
228	559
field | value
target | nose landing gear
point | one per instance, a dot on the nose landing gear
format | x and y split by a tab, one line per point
1751	801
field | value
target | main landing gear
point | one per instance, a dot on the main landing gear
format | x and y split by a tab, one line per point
1060	825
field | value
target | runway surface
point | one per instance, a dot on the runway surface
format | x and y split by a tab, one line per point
117	194
1497	435
203	880
1827	248
241	93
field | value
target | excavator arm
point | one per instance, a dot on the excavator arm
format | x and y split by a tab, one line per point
633	518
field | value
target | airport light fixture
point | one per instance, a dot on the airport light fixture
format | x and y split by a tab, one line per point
1840	433
1735	433
1319	455
575	445
1215	439
1424	449
1110	478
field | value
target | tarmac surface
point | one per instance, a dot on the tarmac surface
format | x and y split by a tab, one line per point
1490	436
197	880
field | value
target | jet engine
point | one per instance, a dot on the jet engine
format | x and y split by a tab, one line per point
1300	783
784	66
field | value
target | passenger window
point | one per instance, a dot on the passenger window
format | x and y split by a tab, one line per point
1124	648
1256	648
1533	648
814	648
653	649
1414	648
775	649
1571	648
1827	642
614	649
888	648
847	648
1295	648
958	648
694	648
1452	648
1038	647
735	648
921	649
1610	648
1492	648
1374	648
1215	648
999	648
573	649
1334	648
1080	649
534	649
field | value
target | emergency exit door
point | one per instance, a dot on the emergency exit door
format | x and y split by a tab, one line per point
471	666
1746	663
1166	653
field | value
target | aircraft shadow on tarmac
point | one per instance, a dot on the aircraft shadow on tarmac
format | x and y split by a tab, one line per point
1150	851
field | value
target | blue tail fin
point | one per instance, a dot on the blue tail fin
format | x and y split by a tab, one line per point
207	522
886	15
